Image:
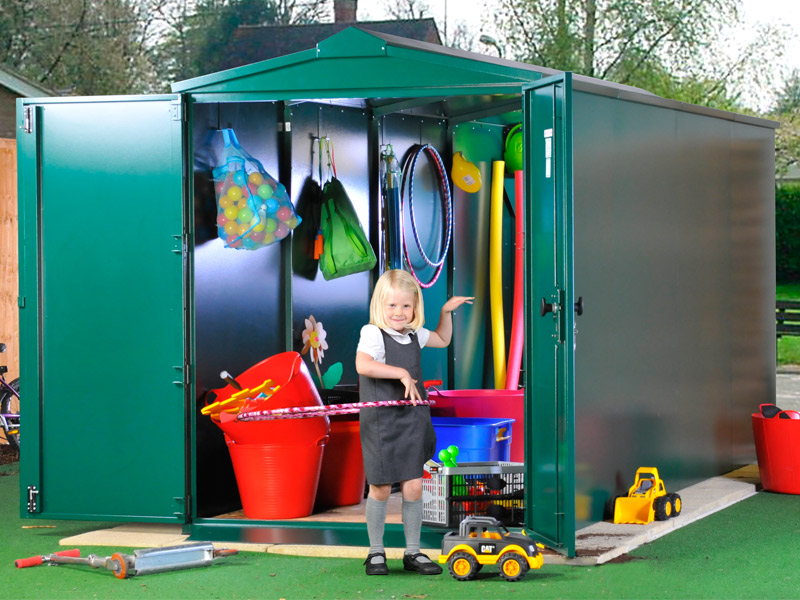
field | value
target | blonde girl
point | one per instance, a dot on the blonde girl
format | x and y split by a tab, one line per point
397	441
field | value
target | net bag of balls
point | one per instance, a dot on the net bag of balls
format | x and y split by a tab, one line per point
253	208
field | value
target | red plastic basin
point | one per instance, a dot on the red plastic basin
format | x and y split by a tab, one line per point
778	452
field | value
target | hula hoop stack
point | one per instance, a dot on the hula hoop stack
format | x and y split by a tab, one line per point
407	194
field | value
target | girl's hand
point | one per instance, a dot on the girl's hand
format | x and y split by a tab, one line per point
412	393
455	302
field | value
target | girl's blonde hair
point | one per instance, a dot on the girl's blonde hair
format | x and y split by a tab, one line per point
399	281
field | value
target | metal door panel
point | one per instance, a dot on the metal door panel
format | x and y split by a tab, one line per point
548	280
102	285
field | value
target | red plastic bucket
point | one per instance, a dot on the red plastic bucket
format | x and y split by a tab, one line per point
342	478
778	452
288	370
277	481
502	404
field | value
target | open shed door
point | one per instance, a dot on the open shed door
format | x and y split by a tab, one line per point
102	262
550	395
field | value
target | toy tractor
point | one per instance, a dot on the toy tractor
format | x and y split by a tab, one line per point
647	499
485	541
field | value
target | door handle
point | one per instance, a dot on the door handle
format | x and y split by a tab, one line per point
579	306
547	307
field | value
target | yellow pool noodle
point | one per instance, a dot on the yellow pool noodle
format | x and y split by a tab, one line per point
496	274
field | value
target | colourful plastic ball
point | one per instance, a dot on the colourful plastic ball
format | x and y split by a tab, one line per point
445	459
271	225
252	189
218	187
272	205
242	228
265	191
238	178
256	178
242	203
281	231
225	201
257	236
231	212
245	215
235	192
268	238
284	213
260	225
221	219
231	227
453	451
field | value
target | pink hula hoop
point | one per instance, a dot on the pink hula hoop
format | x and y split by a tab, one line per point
305	412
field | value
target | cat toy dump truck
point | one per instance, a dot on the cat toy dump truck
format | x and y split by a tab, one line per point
647	499
485	541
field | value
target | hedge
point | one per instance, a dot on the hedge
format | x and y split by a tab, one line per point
787	233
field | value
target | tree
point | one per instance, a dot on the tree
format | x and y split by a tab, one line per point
665	46
787	137
460	37
199	31
80	46
408	9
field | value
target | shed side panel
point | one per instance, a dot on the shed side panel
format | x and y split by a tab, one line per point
672	243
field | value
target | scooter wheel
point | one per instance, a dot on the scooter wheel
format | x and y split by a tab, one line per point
120	566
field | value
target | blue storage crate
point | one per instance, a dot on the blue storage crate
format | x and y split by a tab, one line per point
478	440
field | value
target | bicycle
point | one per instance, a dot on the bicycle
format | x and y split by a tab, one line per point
9	405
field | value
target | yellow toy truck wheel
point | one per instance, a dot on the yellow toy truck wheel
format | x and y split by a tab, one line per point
463	566
676	502
663	508
513	567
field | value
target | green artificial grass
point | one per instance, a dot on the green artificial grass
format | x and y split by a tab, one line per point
788	346
746	551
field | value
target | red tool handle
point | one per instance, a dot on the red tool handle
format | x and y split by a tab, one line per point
34	561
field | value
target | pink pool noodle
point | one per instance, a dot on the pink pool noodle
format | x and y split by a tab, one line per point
517	323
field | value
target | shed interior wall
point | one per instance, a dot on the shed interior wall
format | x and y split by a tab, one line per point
238	294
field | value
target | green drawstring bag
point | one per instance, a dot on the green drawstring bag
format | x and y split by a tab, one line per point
346	249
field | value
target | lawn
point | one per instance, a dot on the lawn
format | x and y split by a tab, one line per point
788	347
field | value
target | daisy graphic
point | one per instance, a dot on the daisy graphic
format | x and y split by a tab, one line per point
314	340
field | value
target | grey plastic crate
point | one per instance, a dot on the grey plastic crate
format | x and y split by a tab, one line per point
495	489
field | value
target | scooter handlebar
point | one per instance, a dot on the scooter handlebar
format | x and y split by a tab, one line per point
35	561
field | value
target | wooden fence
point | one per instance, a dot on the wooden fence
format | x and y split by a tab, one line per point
9	283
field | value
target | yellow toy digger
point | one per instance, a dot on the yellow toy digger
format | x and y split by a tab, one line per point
647	499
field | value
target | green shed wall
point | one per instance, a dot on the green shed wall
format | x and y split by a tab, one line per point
674	256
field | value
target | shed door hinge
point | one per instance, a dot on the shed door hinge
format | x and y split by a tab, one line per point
177	111
180	244
183	372
180	506
27	120
33	499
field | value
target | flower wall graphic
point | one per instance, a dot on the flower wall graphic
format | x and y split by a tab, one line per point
314	342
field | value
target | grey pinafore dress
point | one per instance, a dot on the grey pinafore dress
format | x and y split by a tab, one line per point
396	441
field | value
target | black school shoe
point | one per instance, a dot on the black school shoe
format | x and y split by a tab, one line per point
411	562
376	568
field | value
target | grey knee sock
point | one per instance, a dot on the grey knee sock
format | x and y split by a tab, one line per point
376	517
412	525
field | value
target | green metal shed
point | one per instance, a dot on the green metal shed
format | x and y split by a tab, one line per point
656	217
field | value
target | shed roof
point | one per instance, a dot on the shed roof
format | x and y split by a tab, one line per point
21	86
254	43
390	73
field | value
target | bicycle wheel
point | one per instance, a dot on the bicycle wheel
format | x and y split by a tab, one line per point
9	404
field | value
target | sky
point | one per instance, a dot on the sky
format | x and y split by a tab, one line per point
475	15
